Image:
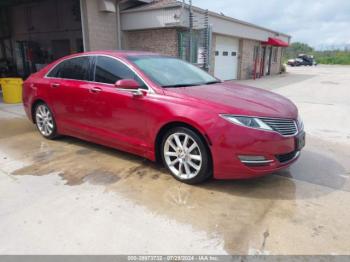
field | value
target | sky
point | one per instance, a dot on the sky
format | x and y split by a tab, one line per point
322	24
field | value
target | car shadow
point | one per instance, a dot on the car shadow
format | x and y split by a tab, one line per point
312	170
318	169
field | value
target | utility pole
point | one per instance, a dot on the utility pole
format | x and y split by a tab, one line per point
206	40
119	31
191	32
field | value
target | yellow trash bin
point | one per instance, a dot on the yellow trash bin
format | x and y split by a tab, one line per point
12	90
1	82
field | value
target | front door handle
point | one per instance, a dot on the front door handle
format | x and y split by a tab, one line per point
95	90
55	85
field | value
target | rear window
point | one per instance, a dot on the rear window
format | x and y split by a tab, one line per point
75	68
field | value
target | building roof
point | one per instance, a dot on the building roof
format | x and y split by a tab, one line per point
163	4
156	4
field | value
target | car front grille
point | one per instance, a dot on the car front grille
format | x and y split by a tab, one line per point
286	127
286	157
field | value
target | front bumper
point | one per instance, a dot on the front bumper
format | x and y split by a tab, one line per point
242	153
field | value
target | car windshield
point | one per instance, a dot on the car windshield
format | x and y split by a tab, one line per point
172	72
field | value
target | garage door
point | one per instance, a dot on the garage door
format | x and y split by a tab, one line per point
226	58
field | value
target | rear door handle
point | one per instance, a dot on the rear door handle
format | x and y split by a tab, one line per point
55	85
95	90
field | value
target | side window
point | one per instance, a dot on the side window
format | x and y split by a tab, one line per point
75	68
109	71
55	71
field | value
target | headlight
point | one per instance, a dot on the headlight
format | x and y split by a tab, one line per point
252	122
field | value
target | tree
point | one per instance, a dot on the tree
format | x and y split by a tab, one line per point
297	48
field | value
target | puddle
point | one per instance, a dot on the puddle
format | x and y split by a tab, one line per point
86	219
83	152
239	212
101	177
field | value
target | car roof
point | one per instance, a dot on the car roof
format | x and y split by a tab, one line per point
116	53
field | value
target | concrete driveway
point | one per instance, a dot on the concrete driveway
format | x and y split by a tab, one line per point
73	197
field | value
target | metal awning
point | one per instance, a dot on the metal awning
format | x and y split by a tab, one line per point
275	42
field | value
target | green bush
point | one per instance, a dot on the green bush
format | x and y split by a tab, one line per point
333	57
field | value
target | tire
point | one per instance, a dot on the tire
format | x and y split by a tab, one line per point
188	162
45	121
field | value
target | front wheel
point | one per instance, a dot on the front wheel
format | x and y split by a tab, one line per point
186	156
45	121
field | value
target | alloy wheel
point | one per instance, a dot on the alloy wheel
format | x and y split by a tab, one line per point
44	120
182	155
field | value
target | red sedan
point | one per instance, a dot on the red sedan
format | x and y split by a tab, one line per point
165	109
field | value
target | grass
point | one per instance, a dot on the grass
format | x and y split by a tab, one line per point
333	57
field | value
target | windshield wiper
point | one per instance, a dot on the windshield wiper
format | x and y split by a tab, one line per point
213	82
180	85
194	84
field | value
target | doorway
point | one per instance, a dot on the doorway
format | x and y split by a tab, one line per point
40	32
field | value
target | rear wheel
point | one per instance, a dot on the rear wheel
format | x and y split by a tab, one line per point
186	156
45	121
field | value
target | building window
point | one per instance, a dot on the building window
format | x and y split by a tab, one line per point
184	46
233	53
274	54
225	53
217	53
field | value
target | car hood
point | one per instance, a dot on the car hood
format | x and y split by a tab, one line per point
232	98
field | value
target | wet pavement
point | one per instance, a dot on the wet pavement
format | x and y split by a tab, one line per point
73	197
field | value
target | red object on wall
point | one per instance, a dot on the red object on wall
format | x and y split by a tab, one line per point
275	42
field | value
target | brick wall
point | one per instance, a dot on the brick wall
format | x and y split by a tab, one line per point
246	61
100	28
163	41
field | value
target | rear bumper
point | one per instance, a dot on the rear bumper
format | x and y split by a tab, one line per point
28	112
243	153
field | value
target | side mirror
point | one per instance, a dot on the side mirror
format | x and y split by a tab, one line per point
127	84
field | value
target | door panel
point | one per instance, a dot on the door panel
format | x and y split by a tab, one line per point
226	58
117	115
69	93
70	102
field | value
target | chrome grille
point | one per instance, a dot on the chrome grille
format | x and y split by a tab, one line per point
286	127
